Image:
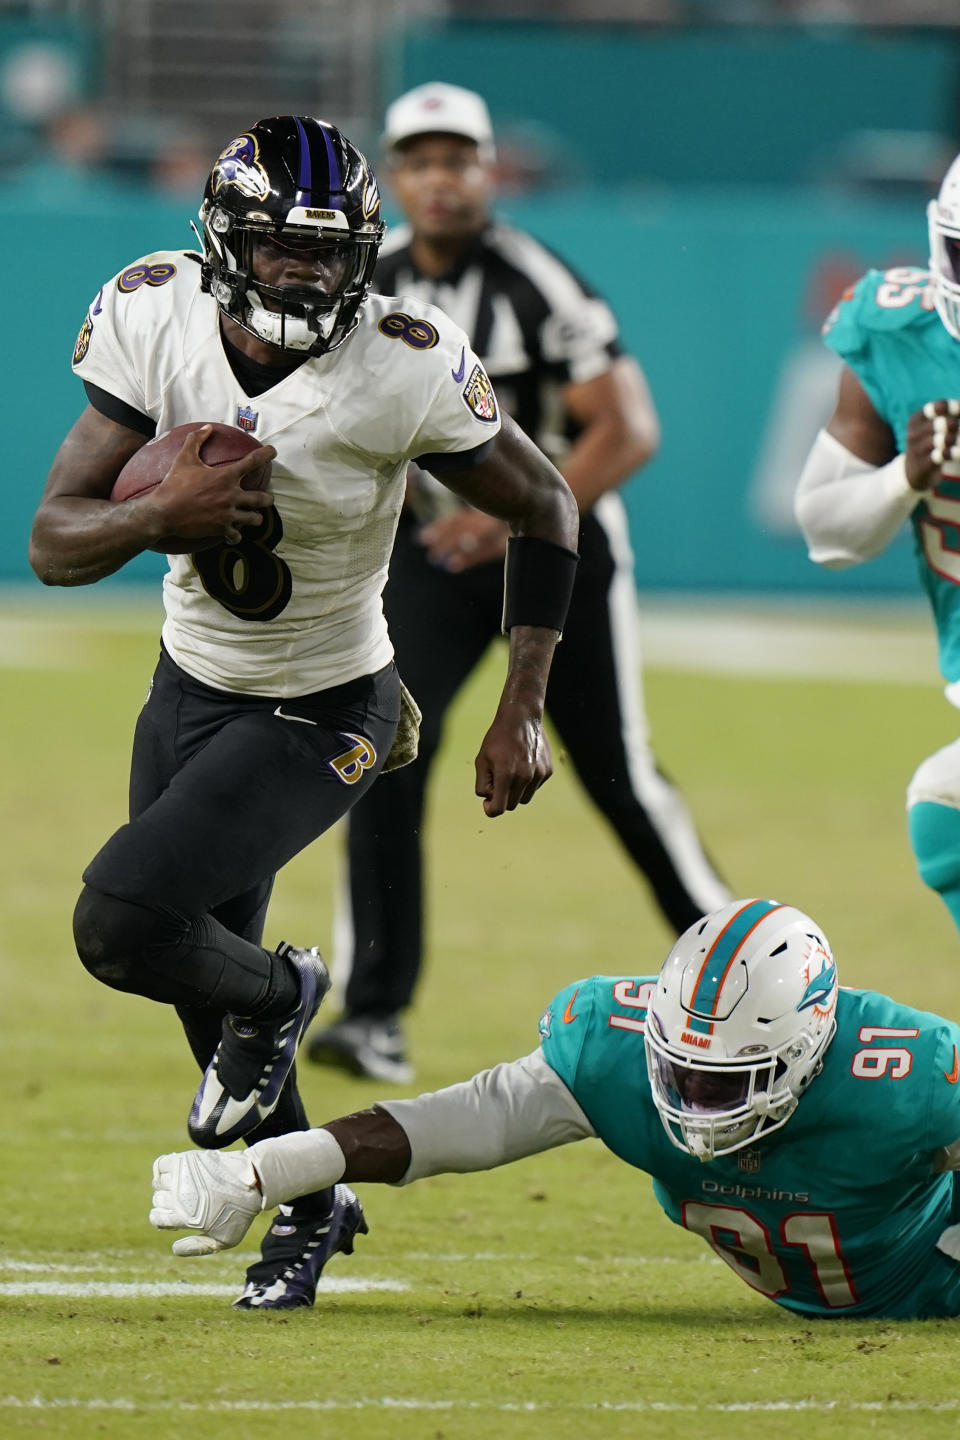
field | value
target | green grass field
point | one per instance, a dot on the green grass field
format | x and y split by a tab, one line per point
550	1298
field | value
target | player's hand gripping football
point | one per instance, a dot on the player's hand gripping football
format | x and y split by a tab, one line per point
933	443
209	500
213	1192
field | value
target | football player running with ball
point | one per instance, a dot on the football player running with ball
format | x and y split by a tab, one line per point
276	702
811	1135
889	453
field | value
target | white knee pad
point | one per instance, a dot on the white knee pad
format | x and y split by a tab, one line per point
937	779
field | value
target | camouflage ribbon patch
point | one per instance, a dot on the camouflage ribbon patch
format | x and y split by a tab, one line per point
406	742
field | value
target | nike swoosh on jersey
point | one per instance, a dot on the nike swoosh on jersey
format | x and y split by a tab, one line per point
300	718
568	1014
458	374
953	1075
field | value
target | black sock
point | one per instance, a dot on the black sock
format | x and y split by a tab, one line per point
281	994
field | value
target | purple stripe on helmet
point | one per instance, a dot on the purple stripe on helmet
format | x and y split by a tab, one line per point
304	179
335	181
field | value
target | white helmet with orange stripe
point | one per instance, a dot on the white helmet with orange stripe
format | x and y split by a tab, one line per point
744	1009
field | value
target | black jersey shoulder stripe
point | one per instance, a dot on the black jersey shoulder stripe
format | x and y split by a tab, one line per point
119	410
447	461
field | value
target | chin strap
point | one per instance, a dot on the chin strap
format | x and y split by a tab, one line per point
290	332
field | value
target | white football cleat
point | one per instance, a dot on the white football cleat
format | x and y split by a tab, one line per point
213	1193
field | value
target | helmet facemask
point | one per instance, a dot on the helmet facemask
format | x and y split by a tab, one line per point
943	221
315	318
715	1109
744	1010
945	264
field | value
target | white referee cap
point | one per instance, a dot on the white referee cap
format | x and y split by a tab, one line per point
439	109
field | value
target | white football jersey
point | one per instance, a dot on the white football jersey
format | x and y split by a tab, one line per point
297	608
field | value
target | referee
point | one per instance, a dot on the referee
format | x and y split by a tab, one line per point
551	349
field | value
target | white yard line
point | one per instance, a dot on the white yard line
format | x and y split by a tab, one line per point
777	637
126	1290
649	1407
12	1265
780	640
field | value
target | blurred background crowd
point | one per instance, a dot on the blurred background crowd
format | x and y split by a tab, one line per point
719	169
101	92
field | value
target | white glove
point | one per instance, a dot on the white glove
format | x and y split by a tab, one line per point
949	1242
208	1191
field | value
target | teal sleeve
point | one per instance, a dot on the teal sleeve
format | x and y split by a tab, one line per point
943	1125
564	1026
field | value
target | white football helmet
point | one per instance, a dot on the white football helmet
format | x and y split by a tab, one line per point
943	219
744	1008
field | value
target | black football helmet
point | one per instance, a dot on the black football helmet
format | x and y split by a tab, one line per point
296	184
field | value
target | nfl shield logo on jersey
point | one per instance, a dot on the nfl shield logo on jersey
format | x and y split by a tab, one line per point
247	418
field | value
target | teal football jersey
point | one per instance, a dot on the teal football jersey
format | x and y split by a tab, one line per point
839	1211
887	330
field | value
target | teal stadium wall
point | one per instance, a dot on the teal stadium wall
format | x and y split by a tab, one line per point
719	288
711	295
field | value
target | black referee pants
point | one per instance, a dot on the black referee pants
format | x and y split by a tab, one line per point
441	624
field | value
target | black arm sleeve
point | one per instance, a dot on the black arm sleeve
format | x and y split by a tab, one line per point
119	410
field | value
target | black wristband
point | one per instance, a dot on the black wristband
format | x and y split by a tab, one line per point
537	583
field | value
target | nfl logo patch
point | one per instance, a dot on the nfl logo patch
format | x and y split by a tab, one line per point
478	393
247	418
749	1160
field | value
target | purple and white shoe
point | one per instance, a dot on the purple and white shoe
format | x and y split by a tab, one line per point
294	1251
241	1086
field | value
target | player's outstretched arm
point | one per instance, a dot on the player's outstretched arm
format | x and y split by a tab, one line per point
518	484
79	535
500	1115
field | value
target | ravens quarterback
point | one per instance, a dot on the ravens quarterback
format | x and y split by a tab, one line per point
810	1135
276	702
891	453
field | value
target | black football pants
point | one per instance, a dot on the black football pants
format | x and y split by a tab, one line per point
225	788
441	625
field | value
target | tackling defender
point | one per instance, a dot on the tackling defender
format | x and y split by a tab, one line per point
889	453
809	1134
276	701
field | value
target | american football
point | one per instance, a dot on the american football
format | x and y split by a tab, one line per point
145	470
